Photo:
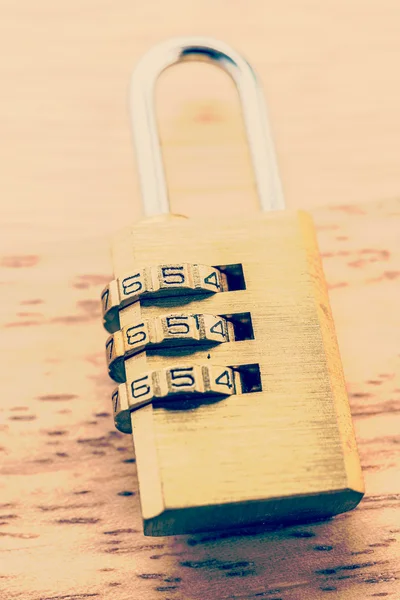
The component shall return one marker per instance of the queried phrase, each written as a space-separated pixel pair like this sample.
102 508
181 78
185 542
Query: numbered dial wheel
168 331
198 382
163 280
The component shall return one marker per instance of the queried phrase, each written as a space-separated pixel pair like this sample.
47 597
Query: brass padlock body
284 453
270 437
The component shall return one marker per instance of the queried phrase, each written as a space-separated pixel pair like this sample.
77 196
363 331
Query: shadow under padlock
229 370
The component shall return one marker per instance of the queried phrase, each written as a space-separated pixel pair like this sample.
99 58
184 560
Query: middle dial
169 330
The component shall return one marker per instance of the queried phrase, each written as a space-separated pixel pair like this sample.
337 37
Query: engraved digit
182 375
177 325
114 399
109 347
172 275
139 335
218 328
130 286
224 379
136 393
212 279
104 298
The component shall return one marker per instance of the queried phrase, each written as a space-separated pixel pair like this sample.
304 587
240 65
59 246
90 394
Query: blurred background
70 520
330 72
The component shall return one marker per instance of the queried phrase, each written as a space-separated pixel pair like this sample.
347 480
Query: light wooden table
69 516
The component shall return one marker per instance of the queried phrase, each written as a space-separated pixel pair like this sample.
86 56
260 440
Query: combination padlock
223 345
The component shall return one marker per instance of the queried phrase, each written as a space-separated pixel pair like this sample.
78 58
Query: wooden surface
70 526
70 511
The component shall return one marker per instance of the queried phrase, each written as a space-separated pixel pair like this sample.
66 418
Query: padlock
223 344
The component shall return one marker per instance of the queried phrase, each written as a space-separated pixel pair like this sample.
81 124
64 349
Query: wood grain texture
70 512
70 526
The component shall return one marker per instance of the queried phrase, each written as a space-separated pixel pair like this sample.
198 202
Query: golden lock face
230 380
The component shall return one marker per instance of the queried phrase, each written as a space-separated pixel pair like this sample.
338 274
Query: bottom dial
165 385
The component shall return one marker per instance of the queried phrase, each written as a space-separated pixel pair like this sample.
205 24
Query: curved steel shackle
148 153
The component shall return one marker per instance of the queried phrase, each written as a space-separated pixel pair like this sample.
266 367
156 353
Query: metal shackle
145 134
